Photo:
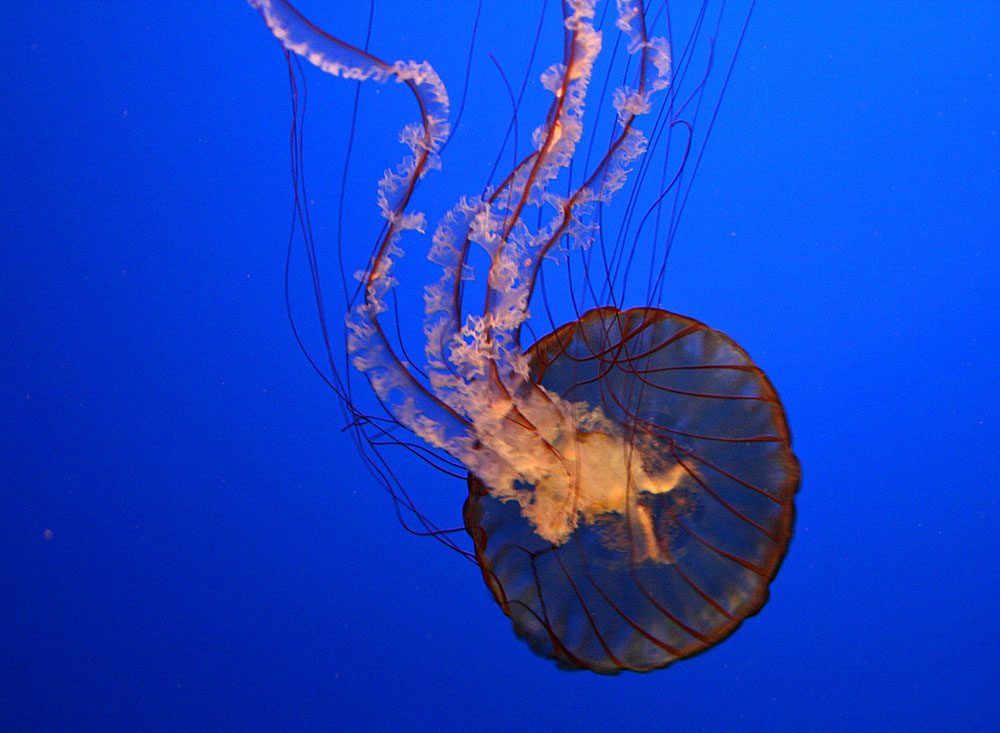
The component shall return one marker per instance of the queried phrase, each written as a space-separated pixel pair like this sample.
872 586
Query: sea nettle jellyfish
630 475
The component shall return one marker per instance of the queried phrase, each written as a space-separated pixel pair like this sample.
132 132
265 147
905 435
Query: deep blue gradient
219 558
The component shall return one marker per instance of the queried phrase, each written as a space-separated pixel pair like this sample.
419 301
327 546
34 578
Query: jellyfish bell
675 541
630 475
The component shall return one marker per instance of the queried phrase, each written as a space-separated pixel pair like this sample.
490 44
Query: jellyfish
629 472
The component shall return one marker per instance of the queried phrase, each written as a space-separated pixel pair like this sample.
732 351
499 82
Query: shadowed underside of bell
675 566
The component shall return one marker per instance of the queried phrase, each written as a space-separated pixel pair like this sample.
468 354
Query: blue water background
187 538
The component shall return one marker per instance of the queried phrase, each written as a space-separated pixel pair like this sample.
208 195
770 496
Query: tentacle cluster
480 404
